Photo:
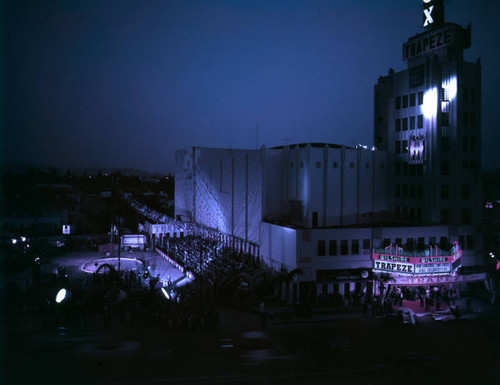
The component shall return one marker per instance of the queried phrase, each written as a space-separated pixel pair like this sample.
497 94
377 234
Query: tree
383 279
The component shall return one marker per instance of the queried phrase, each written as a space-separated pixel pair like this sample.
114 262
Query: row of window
415 214
341 247
465 242
412 122
464 191
409 191
406 169
411 100
469 93
469 119
335 165
409 213
333 247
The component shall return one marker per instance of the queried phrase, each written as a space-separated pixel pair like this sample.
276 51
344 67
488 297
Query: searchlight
165 293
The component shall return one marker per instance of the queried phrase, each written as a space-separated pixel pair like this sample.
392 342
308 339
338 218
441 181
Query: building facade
409 208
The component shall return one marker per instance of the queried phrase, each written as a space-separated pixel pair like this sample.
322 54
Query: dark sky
126 83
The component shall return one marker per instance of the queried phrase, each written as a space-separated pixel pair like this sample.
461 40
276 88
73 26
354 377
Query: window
405 101
355 246
405 213
419 213
398 147
405 146
344 247
465 143
420 191
412 191
445 167
398 191
472 119
398 103
445 216
420 98
321 248
335 164
318 164
420 169
461 241
472 143
444 192
470 242
445 119
386 242
432 241
466 94
398 212
405 124
466 118
412 213
412 122
412 99
405 191
473 95
405 169
420 121
398 125
398 168
399 241
411 169
366 244
315 219
421 243
443 243
332 249
409 243
466 216
445 94
445 143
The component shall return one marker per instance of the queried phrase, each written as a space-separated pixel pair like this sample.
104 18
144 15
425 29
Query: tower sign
433 13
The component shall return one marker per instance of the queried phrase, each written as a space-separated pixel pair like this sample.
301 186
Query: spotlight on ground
62 295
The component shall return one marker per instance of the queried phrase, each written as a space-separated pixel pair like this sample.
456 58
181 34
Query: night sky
126 83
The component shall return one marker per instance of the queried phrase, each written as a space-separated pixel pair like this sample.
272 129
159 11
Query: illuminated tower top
439 38
433 14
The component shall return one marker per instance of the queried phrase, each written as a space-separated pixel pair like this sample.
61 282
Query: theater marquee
433 261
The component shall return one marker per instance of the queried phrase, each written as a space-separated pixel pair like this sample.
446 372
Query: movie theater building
342 215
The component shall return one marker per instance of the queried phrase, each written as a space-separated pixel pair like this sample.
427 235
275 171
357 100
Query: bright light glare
23 239
429 108
165 293
61 295
451 87
14 241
